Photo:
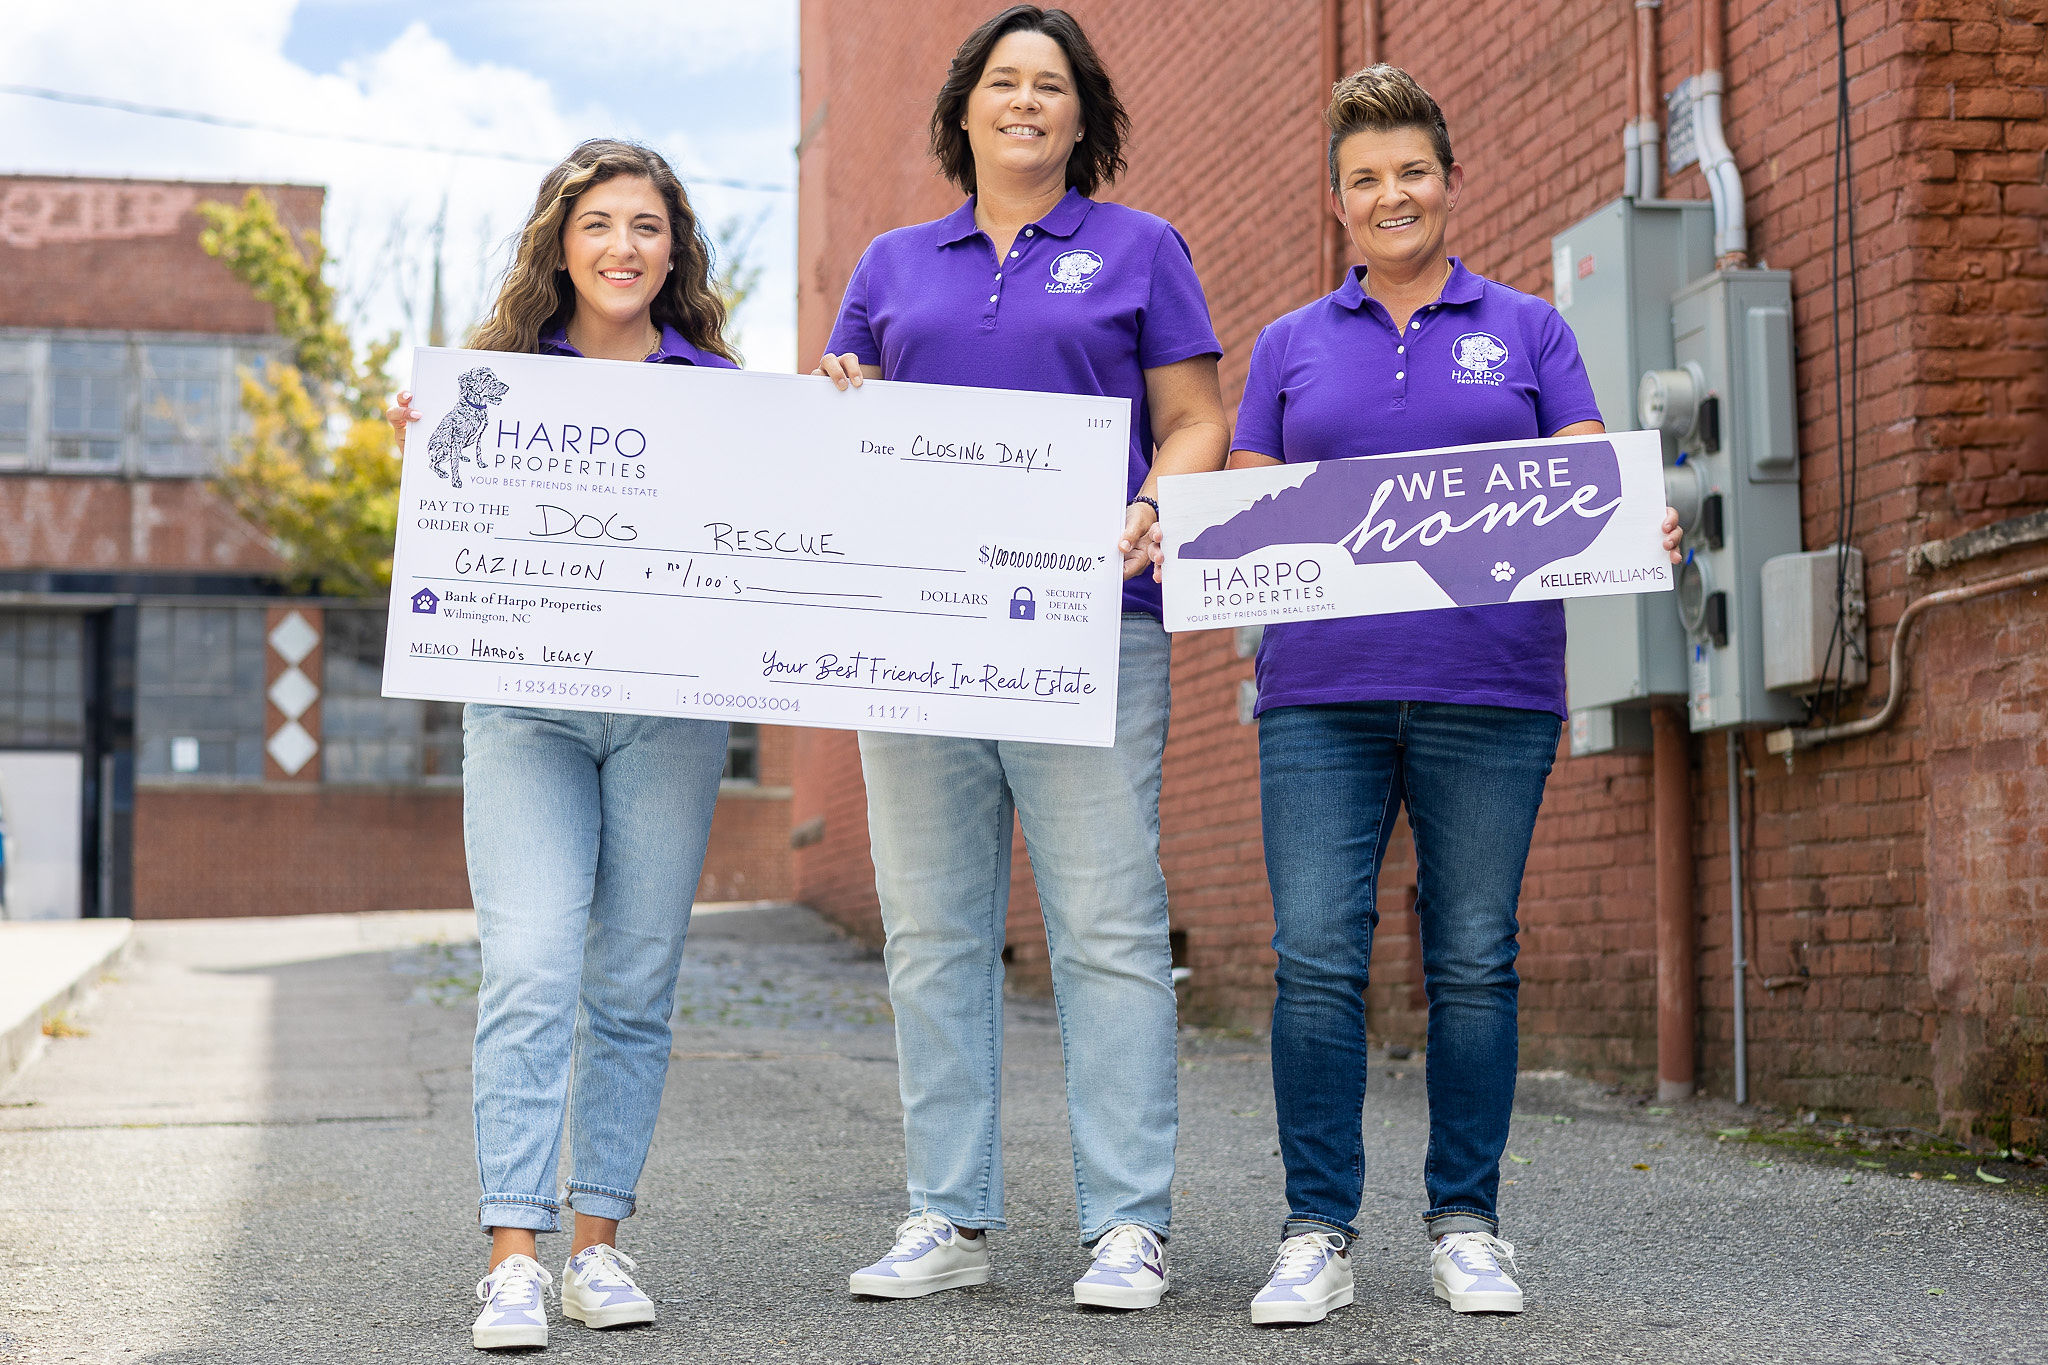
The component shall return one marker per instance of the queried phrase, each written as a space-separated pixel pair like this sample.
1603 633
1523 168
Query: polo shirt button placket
988 317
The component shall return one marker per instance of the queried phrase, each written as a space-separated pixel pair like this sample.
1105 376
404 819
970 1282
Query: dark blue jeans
1331 780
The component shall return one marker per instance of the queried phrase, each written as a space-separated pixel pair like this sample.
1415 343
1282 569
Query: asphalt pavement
260 1150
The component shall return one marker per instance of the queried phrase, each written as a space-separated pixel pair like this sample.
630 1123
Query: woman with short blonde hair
1452 714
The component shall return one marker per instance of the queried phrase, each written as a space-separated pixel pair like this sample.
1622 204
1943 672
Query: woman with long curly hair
585 830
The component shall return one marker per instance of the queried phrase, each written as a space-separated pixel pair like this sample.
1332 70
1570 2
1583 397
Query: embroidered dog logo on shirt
1073 272
1480 356
461 433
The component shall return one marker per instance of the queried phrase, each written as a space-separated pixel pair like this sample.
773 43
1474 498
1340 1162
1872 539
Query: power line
222 121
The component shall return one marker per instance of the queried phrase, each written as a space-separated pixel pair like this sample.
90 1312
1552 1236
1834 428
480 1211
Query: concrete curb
45 969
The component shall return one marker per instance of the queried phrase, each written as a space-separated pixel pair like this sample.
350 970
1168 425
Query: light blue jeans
939 813
585 833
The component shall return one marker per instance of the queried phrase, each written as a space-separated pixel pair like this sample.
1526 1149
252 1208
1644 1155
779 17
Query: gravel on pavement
260 1150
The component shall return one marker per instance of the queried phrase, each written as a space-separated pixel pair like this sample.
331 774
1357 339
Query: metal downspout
1329 57
1677 936
1735 912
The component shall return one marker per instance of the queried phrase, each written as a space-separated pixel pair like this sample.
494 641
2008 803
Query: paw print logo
1503 571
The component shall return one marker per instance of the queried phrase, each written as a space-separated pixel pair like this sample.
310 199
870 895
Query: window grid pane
200 681
370 738
17 393
182 427
42 681
743 753
88 401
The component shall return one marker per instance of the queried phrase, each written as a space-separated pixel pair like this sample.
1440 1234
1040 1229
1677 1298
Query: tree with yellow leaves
317 469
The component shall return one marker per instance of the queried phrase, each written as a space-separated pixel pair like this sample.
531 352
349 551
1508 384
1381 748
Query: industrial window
199 693
42 680
88 403
17 405
743 754
152 404
183 393
367 737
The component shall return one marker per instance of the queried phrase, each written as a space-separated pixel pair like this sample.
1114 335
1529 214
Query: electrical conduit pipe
1631 127
1785 741
1648 154
1717 163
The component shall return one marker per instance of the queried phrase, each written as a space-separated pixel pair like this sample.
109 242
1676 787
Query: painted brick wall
71 521
1890 955
124 254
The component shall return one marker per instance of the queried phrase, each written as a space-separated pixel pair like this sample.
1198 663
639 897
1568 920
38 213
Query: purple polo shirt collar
674 349
1462 287
1064 219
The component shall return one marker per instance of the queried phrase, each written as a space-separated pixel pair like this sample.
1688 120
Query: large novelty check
1465 526
670 540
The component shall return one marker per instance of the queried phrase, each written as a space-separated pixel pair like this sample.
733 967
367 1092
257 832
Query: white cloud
226 57
698 35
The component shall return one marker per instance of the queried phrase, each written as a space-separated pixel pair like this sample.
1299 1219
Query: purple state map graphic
1478 521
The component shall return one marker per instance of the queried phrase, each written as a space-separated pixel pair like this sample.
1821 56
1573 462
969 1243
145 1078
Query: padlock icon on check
1023 607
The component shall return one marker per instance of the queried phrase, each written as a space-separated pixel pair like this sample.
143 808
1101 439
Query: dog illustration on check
461 433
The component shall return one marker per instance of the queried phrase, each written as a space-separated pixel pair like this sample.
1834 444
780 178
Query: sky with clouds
711 84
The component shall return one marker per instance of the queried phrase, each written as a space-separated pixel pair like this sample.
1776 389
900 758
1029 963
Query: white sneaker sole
1479 1303
1110 1296
894 1287
1275 1314
502 1338
597 1319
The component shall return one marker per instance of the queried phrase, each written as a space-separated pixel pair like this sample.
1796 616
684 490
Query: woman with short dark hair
1454 713
1031 284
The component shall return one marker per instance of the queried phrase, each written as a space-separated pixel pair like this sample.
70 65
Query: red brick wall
293 848
124 254
1855 1001
1986 918
287 848
749 855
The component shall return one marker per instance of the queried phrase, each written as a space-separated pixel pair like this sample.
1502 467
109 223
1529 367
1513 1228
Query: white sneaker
1129 1270
515 1305
929 1255
598 1290
1311 1277
1466 1269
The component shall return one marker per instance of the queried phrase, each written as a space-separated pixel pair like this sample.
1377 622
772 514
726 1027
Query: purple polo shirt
674 349
1088 298
1336 379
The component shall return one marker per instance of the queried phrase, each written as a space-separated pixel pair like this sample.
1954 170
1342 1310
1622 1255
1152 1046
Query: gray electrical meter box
1615 273
1729 403
1814 620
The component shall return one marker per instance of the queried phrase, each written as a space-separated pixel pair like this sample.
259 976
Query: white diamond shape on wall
293 692
291 746
293 638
